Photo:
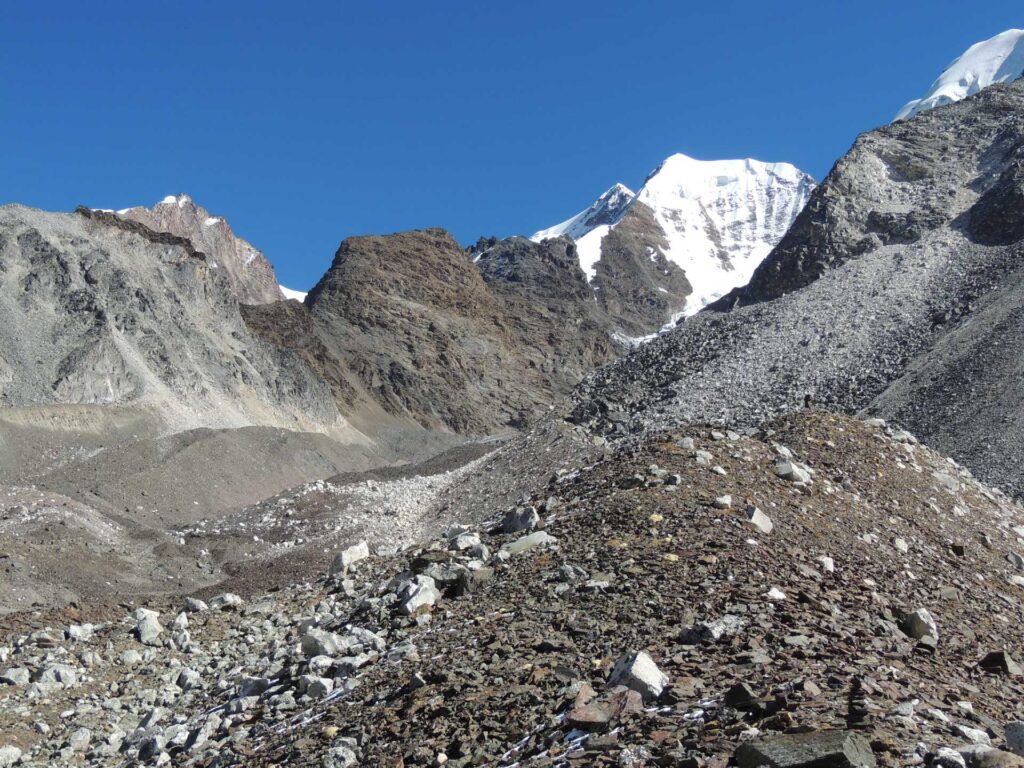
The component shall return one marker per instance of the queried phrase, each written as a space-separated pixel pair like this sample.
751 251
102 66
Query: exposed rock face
288 324
562 333
246 269
100 310
633 281
467 347
897 290
695 230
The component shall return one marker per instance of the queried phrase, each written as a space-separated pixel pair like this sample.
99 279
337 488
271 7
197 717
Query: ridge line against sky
308 123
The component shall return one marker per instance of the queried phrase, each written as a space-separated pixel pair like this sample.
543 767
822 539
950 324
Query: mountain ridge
705 225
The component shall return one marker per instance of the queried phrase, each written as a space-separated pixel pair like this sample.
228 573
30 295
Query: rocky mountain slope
471 347
98 310
825 592
891 293
999 59
695 230
247 271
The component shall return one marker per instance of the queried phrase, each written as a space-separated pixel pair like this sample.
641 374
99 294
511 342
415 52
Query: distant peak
178 200
607 209
617 190
999 59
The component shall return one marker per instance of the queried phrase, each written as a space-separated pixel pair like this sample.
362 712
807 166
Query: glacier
720 218
999 59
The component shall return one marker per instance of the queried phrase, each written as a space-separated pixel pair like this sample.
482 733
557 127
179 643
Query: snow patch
999 59
211 220
179 200
292 294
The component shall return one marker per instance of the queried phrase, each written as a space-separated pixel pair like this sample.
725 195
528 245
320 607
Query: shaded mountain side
897 291
431 336
288 324
563 333
634 282
248 272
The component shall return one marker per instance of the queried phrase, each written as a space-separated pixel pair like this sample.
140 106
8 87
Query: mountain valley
723 472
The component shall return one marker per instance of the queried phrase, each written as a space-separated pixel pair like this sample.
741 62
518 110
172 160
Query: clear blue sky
306 122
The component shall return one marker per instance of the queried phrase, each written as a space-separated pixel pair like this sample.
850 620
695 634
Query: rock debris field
823 592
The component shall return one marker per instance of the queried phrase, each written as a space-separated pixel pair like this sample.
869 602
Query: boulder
759 519
9 755
919 624
520 519
225 601
1001 661
16 676
418 595
194 605
721 628
320 642
1014 733
348 557
531 541
791 471
835 749
148 629
638 672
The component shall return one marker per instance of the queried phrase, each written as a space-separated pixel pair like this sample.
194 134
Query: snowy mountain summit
605 211
999 59
703 226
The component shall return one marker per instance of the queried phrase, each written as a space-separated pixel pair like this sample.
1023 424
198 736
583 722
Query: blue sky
306 122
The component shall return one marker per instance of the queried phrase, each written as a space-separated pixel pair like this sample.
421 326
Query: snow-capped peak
720 218
999 59
607 209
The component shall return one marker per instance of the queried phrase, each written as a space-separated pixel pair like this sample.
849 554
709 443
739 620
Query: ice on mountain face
588 248
606 210
997 60
720 219
291 294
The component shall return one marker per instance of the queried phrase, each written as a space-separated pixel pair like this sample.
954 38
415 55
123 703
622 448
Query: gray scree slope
897 291
96 310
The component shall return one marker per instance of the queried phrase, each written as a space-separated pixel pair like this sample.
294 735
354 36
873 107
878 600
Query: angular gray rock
9 755
348 557
528 542
759 519
225 601
148 629
919 623
419 594
1013 731
820 749
524 518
